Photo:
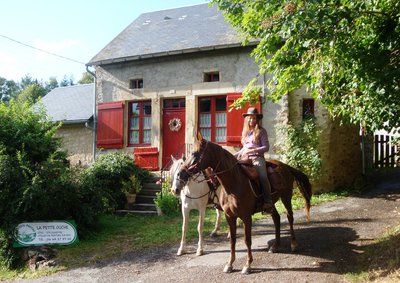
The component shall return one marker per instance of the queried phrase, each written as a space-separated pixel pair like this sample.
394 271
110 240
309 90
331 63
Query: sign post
46 233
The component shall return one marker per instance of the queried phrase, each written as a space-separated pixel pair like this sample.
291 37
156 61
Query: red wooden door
173 130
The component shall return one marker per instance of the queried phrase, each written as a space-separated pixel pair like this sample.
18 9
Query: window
212 118
308 108
219 125
174 103
211 77
139 118
136 83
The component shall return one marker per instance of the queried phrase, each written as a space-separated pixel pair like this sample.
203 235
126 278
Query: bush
301 147
166 201
37 183
112 176
35 179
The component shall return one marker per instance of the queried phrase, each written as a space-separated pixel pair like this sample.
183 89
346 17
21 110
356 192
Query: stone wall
339 145
78 141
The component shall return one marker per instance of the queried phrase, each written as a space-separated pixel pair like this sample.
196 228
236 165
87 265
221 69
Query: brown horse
240 198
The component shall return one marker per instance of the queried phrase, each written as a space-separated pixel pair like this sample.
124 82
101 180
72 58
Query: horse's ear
173 159
199 136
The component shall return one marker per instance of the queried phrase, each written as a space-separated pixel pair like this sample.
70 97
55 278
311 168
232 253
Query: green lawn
119 234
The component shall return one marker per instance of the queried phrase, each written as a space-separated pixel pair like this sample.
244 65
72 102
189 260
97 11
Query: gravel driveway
338 232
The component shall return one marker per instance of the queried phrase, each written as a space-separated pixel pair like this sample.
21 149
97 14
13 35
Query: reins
216 173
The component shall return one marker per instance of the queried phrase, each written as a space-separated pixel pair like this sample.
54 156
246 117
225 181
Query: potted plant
166 203
132 187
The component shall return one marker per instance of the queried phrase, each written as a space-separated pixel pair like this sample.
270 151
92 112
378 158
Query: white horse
194 195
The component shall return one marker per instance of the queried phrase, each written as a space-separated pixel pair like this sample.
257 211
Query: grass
117 235
380 260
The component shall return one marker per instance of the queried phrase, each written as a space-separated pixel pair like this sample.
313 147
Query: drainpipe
94 114
362 131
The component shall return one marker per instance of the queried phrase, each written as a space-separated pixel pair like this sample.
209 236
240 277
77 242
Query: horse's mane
224 157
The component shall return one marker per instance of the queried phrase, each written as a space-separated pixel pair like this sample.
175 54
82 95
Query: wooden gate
386 151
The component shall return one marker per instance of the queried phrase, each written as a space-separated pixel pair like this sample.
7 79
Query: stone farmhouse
73 107
176 71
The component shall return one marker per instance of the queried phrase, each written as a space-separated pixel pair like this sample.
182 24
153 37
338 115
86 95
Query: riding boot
268 205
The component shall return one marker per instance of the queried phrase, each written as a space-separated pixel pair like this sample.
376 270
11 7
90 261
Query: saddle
273 170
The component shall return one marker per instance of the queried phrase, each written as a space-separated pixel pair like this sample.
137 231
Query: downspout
362 131
94 114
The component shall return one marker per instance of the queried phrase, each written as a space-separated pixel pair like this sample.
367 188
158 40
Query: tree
9 88
32 93
51 84
347 53
26 81
86 78
67 81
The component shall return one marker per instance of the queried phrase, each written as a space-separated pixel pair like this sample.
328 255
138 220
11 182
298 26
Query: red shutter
110 125
235 120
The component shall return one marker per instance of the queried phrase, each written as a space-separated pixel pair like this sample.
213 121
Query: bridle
195 166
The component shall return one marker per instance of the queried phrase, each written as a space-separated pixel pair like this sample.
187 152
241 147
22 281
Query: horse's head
198 160
177 182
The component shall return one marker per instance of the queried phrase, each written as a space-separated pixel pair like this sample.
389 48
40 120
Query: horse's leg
293 241
232 231
217 223
202 213
185 222
277 223
247 240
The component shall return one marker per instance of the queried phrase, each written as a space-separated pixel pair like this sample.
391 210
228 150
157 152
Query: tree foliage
86 78
347 53
300 148
32 93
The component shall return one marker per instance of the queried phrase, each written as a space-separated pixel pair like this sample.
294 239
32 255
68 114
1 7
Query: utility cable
41 50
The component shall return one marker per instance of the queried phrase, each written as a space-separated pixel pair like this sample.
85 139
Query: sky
70 32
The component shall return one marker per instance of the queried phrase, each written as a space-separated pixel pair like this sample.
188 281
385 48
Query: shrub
300 149
166 201
35 182
112 176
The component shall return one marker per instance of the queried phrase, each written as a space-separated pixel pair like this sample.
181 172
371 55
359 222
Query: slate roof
71 104
167 32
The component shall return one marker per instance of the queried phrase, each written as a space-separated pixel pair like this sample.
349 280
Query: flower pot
159 211
130 200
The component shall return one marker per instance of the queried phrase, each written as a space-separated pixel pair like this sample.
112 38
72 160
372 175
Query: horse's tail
304 186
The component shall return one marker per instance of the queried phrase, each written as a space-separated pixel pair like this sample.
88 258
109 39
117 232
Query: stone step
151 186
139 212
144 204
148 192
145 199
144 207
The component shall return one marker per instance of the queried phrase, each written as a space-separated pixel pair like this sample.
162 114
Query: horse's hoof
199 252
213 234
180 252
246 270
228 268
272 249
294 246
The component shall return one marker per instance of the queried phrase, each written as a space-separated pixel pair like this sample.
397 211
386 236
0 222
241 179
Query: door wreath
175 124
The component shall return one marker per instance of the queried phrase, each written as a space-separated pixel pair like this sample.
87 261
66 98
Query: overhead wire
41 50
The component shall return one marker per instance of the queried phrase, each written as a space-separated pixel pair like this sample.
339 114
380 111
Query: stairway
144 204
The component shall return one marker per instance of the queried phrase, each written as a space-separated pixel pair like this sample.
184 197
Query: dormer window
211 77
136 83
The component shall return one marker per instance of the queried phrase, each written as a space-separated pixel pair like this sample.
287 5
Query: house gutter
94 115
168 53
